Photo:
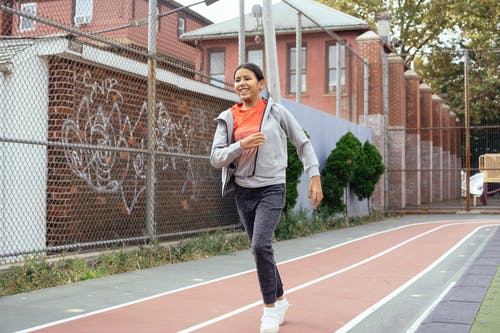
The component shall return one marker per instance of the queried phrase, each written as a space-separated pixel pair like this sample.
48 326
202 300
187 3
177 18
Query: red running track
328 290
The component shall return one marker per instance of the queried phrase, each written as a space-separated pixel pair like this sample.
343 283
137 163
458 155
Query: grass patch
37 272
488 319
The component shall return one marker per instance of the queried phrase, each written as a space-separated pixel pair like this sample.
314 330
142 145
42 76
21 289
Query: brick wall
437 149
426 143
396 133
91 105
370 46
454 151
445 114
412 138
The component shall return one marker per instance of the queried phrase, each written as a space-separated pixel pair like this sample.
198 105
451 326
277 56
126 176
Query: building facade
217 47
122 21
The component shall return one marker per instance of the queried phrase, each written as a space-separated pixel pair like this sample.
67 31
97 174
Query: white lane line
57 322
429 309
349 325
330 275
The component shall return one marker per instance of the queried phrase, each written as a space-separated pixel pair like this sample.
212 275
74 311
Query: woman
250 145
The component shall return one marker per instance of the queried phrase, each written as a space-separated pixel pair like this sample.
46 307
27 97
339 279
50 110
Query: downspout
365 93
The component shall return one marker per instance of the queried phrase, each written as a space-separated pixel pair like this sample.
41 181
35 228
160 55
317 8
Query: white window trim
218 76
259 63
181 25
292 72
343 73
83 14
26 24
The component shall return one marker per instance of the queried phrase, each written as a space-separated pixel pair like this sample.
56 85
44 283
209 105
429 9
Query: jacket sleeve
299 139
223 153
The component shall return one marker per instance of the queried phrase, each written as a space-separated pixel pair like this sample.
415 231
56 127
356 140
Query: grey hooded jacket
267 164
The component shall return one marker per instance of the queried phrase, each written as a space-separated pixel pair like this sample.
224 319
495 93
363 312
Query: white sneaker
282 307
270 322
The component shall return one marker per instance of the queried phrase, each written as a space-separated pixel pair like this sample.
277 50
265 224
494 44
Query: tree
416 23
367 172
435 34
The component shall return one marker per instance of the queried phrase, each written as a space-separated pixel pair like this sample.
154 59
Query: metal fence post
467 130
151 173
241 34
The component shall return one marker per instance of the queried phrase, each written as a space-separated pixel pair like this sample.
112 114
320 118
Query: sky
222 10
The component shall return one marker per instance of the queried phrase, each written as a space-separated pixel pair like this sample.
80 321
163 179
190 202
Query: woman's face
247 86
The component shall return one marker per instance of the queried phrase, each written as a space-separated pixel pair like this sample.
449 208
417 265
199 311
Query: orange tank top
248 121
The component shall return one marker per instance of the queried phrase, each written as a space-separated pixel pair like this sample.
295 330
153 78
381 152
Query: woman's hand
315 191
253 141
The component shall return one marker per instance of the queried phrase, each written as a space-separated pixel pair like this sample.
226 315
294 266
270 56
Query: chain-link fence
456 163
84 162
106 123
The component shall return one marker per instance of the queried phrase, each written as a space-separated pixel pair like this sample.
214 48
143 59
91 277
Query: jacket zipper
260 128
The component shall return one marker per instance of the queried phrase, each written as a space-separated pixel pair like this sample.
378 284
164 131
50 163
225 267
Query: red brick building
217 47
122 21
394 103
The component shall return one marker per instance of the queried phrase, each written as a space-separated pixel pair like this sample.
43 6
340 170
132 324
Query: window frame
78 12
343 69
181 18
291 71
210 52
256 48
26 24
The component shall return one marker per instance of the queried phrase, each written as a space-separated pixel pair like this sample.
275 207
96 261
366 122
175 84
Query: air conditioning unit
82 20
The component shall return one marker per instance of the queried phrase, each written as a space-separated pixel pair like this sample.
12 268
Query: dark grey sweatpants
259 210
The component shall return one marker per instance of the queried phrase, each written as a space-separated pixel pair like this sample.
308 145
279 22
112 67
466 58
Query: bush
338 172
299 223
369 168
352 164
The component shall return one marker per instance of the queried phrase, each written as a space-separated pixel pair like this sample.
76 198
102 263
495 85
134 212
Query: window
292 74
26 24
83 12
332 67
181 25
216 67
256 56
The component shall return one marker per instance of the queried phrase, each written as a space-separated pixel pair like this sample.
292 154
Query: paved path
456 311
380 277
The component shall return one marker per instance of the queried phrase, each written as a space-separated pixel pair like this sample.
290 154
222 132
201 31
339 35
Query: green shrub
290 225
352 164
300 223
338 173
37 272
369 168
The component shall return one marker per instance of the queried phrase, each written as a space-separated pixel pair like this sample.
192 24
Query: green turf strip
488 318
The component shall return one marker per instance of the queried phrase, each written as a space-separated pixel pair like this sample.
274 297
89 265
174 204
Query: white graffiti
99 121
